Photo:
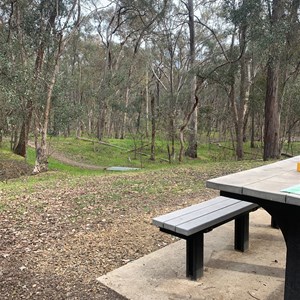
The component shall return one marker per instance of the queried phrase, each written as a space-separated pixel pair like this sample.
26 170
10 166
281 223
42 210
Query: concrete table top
264 182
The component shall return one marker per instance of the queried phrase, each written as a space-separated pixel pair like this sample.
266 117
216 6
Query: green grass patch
130 153
93 153
3 207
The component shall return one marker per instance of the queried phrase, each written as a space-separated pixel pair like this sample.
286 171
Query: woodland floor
57 238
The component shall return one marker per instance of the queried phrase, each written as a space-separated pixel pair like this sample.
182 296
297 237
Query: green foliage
103 77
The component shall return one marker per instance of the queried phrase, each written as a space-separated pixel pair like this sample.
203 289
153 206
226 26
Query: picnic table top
265 182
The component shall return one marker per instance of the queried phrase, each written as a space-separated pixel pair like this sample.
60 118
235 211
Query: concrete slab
255 274
122 169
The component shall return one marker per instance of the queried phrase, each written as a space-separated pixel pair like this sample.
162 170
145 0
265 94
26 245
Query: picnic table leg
194 256
241 233
292 280
288 219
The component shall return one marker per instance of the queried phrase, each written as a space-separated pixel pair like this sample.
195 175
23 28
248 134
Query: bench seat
192 222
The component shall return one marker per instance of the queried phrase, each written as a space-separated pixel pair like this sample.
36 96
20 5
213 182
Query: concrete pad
255 274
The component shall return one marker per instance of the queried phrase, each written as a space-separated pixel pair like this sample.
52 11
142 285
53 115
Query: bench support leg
241 233
274 223
194 256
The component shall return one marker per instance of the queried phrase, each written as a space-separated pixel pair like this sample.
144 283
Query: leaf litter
56 240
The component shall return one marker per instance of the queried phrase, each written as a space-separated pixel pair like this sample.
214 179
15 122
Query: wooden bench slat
199 214
160 220
217 217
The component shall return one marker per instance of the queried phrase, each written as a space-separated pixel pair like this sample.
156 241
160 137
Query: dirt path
60 157
66 160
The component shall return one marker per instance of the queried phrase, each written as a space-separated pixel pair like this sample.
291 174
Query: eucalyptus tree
262 35
108 21
16 68
122 27
283 34
244 18
36 34
7 95
291 114
191 151
59 20
169 66
75 96
272 109
92 64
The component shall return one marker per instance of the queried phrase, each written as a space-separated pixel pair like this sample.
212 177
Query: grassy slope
211 158
103 155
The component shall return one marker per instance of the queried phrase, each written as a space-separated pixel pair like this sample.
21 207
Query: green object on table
295 189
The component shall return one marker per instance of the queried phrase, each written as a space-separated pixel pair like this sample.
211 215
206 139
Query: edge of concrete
255 274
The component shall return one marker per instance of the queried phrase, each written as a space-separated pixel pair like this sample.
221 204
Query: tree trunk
252 139
272 113
245 84
147 104
272 118
41 162
90 118
187 120
124 121
102 120
20 148
193 125
153 127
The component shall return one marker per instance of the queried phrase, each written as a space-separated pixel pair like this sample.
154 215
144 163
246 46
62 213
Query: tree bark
272 113
187 120
193 125
20 148
245 84
272 118
153 127
41 162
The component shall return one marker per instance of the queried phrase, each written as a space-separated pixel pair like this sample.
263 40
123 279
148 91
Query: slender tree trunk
90 117
193 125
102 120
124 122
147 104
172 108
252 139
272 118
187 120
20 148
240 103
153 127
41 162
245 84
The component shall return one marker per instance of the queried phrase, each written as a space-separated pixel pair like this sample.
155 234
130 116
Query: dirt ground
56 239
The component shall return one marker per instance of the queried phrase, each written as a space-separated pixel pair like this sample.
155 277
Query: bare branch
215 36
158 79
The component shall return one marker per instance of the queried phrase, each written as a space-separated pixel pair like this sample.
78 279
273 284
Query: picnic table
275 188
